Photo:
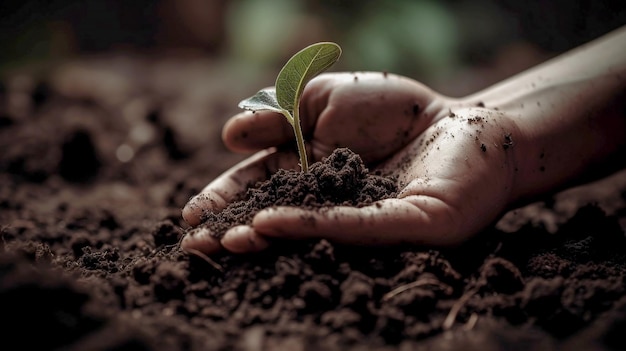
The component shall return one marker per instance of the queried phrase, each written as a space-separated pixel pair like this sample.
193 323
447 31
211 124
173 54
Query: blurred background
456 46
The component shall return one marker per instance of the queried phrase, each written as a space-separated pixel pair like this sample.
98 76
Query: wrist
570 113
567 144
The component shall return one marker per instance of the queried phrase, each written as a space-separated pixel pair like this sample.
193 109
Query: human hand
452 159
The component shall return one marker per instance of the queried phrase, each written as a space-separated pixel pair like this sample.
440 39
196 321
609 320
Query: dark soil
98 157
339 179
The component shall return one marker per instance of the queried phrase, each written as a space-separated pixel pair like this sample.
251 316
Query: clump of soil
339 179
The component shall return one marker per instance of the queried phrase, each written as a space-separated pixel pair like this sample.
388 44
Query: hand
453 160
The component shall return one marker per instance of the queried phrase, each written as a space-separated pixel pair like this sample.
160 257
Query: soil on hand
339 179
92 181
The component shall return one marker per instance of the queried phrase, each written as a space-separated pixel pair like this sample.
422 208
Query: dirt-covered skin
90 256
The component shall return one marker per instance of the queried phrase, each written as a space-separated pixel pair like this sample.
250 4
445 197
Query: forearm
571 116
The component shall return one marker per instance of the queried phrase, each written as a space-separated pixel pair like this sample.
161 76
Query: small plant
292 78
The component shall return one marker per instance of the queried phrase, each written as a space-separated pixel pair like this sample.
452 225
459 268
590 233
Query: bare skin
462 162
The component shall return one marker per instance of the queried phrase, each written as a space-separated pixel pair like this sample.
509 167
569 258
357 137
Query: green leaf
265 99
293 77
300 69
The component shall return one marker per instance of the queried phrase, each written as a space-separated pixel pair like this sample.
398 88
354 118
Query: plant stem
304 164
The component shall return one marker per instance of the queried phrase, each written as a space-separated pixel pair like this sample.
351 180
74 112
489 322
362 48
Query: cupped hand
453 159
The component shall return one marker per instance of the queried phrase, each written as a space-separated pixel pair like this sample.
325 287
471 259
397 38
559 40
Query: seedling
292 78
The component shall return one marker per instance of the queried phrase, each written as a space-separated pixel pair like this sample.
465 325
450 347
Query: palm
458 173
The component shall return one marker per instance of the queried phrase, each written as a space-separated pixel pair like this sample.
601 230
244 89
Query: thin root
471 323
419 282
206 258
454 311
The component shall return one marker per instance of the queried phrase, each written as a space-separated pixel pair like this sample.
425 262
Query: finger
244 239
200 240
253 131
225 188
415 219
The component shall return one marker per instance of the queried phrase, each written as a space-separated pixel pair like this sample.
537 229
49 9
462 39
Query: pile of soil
98 157
339 179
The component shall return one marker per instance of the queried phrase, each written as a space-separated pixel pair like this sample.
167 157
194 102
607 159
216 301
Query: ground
99 155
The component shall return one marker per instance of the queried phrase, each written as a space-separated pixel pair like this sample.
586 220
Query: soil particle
357 291
166 233
80 161
472 120
508 141
500 275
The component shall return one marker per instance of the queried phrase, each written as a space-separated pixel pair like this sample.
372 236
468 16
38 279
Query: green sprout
292 78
